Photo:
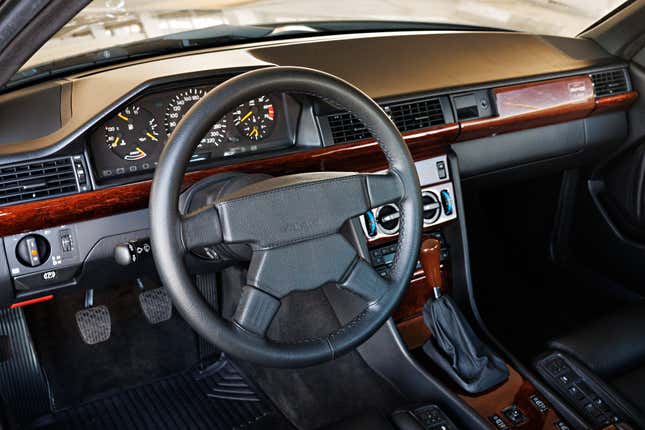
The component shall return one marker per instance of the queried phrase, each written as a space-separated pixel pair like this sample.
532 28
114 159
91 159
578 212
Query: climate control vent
345 127
609 82
407 116
36 180
416 115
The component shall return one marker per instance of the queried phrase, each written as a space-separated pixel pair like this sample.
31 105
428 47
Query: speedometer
177 108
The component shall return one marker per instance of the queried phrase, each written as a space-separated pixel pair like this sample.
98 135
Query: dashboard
78 153
129 142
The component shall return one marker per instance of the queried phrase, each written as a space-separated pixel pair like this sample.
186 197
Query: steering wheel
291 223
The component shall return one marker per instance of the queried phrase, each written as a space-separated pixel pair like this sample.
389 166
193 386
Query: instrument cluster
130 141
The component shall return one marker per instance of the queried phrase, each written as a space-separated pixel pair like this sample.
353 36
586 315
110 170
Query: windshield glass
109 23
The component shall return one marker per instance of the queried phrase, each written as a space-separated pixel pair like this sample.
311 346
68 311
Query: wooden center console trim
515 391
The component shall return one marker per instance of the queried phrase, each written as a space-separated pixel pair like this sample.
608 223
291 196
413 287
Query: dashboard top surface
398 64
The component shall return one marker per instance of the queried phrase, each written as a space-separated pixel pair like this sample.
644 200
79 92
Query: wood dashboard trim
359 156
615 102
533 105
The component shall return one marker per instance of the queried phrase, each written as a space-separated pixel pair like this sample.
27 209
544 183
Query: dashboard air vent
407 116
36 180
609 82
345 127
416 115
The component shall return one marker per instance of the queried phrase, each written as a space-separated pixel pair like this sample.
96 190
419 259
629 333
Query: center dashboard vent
36 180
407 116
609 82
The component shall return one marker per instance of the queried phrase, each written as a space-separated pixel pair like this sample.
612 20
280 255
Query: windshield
108 23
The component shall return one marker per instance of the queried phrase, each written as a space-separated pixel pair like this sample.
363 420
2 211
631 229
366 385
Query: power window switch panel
514 415
498 422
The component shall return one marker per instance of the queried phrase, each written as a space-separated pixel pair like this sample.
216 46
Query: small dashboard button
35 281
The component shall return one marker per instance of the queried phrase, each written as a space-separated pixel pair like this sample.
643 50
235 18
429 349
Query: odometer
177 108
133 134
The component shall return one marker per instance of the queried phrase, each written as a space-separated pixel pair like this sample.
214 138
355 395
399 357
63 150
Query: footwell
217 397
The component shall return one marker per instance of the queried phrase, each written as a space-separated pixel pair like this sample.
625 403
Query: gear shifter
430 258
454 346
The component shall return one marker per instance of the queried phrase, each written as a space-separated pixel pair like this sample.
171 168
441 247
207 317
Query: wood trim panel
414 332
533 105
515 391
615 103
359 156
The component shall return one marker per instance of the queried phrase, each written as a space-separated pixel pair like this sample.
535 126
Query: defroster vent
407 116
609 82
36 180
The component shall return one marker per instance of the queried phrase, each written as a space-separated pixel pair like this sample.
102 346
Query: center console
515 403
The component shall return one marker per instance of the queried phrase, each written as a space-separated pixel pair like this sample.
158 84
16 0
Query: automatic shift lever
454 345
430 257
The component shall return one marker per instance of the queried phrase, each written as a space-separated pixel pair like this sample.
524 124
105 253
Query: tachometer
177 108
133 134
255 119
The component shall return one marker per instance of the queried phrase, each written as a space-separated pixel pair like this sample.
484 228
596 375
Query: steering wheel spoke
365 282
256 310
381 189
200 228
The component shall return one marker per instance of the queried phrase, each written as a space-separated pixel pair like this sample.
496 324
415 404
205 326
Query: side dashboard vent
407 116
36 180
610 82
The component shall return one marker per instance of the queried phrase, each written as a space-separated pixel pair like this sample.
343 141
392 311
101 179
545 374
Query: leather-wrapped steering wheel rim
172 234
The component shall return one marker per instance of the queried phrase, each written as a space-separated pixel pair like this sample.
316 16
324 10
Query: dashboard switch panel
42 251
437 194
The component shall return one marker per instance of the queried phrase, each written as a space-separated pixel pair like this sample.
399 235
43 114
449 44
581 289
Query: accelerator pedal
94 324
156 305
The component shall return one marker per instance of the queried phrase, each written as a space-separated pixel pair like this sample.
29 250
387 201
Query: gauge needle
116 142
123 117
245 117
140 150
254 132
151 136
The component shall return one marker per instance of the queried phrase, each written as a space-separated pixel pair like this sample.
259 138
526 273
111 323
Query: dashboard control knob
446 202
388 219
32 250
431 207
132 251
370 223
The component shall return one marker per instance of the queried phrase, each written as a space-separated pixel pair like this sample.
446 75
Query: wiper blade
193 39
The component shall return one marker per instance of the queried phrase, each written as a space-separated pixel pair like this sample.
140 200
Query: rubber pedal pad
94 324
156 305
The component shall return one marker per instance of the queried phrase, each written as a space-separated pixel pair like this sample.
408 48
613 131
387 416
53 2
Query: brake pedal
156 305
94 324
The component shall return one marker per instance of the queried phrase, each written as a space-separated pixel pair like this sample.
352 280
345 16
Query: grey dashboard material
407 63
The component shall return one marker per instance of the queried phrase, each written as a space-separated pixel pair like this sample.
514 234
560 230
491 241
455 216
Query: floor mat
137 352
217 398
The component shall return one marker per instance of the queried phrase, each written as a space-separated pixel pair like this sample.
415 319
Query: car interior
309 223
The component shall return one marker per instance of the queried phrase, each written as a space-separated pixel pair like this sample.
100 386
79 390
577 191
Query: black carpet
137 352
218 398
317 396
